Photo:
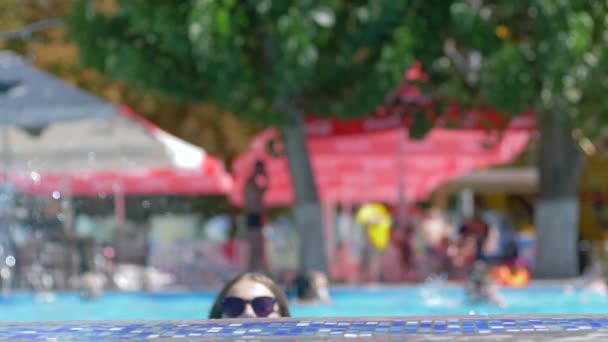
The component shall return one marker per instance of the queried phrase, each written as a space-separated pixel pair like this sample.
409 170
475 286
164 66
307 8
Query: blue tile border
305 328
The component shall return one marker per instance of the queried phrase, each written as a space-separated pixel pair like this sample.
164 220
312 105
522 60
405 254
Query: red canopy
477 120
358 160
357 168
211 179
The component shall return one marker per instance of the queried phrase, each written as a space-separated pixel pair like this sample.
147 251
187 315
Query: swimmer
594 282
596 286
250 295
91 285
312 287
480 287
320 284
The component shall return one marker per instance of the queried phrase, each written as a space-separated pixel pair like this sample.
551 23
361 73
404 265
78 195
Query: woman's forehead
249 289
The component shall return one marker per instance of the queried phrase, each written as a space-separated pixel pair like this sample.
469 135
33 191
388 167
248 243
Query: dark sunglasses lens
263 306
233 306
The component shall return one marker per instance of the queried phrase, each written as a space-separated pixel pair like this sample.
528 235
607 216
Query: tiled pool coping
494 328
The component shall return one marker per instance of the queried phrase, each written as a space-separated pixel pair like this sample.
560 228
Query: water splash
430 290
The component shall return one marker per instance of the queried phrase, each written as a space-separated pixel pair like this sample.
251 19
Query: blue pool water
347 302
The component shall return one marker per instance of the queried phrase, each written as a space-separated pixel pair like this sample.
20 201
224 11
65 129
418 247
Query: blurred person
48 221
312 287
250 295
594 282
511 256
477 230
442 256
434 227
462 256
254 190
370 267
435 232
402 239
480 286
343 267
594 285
470 245
91 285
41 281
597 286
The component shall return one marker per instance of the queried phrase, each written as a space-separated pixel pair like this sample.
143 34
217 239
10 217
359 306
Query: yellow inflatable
517 277
376 218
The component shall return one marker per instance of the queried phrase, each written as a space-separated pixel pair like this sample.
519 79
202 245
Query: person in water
312 287
250 295
594 282
91 285
480 286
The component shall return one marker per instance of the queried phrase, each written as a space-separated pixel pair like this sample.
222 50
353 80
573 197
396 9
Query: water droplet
56 195
10 261
35 177
146 204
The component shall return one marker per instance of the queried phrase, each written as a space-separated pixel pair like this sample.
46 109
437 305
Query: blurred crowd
433 242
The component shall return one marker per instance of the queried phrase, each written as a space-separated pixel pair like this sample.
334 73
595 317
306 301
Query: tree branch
26 31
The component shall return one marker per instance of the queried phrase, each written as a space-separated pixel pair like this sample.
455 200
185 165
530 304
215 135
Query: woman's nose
248 312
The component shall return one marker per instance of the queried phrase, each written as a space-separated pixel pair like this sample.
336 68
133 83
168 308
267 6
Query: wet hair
279 295
303 287
306 287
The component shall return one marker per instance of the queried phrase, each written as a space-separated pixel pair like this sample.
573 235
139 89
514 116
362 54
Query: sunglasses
234 306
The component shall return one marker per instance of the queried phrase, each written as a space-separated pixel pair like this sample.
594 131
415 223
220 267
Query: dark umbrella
47 126
32 99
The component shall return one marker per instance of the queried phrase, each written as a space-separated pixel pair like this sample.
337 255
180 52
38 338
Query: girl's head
312 286
250 295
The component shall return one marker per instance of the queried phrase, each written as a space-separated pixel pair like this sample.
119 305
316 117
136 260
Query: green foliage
506 80
546 55
330 57
340 58
146 45
421 125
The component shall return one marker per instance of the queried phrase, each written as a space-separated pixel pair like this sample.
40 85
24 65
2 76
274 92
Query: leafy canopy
547 55
329 57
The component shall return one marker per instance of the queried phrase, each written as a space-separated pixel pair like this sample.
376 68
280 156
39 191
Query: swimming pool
347 302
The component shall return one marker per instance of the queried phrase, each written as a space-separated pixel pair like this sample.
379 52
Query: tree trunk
306 206
556 219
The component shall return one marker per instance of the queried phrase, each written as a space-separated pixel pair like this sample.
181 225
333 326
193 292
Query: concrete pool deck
435 328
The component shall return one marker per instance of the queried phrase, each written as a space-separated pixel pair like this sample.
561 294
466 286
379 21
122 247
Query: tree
542 55
219 132
267 61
